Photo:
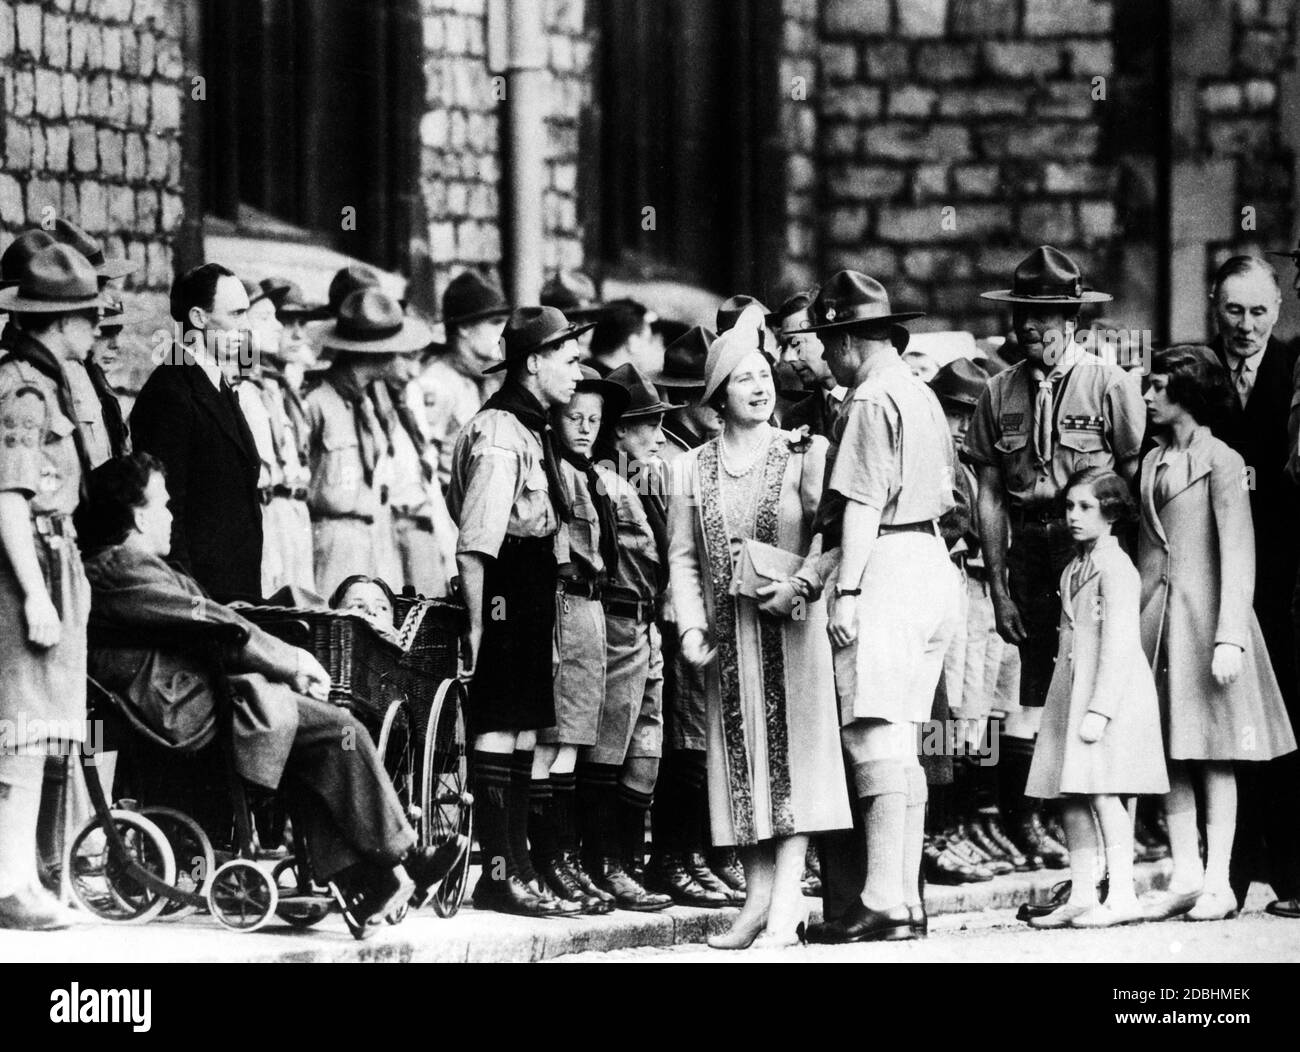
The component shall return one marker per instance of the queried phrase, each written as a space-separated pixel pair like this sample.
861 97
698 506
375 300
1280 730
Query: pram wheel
299 906
398 746
195 859
113 882
242 896
447 807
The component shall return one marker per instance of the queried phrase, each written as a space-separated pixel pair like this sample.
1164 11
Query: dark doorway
312 108
685 119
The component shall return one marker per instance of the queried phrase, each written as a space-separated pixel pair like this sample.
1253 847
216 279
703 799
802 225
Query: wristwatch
840 592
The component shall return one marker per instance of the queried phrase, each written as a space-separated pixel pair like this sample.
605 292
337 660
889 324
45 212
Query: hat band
801 318
866 312
1043 291
60 295
369 334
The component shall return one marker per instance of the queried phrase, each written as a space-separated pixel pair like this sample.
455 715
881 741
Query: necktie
1242 381
1043 417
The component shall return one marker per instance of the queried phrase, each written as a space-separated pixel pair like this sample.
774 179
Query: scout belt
292 492
641 611
318 516
1036 515
926 526
59 537
420 522
579 588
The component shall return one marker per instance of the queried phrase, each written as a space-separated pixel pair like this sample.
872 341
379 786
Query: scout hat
732 347
614 395
1047 276
114 314
59 280
851 299
960 383
470 297
293 306
617 321
533 329
66 233
684 359
731 309
795 314
14 262
273 289
371 322
643 398
572 292
347 281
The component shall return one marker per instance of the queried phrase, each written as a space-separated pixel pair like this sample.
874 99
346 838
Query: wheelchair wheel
242 896
398 746
195 859
447 807
299 906
108 883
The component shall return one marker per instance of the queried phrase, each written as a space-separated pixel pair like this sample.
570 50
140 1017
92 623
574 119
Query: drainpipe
517 49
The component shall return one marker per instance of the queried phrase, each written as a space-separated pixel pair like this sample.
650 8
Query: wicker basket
430 635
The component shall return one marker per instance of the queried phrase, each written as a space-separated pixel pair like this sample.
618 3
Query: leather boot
698 868
512 895
991 821
556 877
1054 854
726 865
667 874
944 867
575 868
611 877
980 857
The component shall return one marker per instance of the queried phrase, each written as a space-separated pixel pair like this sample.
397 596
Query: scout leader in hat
108 269
349 458
44 464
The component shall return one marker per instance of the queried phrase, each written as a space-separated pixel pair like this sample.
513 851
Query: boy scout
508 497
1037 423
349 454
44 596
622 766
896 594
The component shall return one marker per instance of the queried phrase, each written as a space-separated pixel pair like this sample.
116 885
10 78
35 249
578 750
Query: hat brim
478 315
303 311
863 323
124 320
414 336
658 409
1009 296
14 303
662 379
1294 254
116 268
614 396
566 334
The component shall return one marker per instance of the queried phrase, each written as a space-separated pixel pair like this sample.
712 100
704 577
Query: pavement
474 936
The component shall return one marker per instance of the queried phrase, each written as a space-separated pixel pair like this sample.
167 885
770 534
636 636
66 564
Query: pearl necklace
753 460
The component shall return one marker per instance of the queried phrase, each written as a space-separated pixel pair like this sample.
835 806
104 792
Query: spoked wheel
195 859
242 895
110 883
398 746
299 906
447 807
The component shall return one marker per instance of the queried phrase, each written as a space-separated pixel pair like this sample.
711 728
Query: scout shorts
631 718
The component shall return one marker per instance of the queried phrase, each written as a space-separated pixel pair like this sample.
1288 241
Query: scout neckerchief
405 417
604 507
1048 382
514 399
23 348
363 416
119 438
287 413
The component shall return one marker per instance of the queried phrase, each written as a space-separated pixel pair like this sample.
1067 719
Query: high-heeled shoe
738 937
771 940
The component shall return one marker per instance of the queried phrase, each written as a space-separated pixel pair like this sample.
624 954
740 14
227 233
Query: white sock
1188 875
21 778
1119 861
1083 882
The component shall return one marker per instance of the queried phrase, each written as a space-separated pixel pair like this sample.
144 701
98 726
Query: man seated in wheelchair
286 734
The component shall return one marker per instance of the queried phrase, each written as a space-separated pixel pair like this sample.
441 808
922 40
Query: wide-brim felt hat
470 297
614 395
115 314
684 359
532 329
795 314
59 280
294 305
574 293
960 382
1047 277
730 310
19 253
66 233
851 299
643 396
371 322
732 347
347 280
273 289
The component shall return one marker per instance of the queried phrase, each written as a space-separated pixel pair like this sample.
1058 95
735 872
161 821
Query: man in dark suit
188 417
1246 300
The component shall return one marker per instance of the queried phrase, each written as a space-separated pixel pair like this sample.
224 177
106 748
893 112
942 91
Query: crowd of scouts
721 585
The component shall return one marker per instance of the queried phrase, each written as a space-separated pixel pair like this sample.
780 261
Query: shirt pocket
1017 460
1085 449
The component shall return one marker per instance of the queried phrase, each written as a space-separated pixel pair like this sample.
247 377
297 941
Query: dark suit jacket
212 467
171 693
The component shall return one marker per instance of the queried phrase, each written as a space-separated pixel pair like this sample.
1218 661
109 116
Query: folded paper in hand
762 564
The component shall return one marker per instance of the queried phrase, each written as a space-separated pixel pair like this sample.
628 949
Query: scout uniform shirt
1098 421
895 453
341 446
577 542
640 573
90 414
451 399
497 484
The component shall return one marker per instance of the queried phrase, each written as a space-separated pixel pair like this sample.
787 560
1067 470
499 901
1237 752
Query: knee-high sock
675 814
598 811
521 778
632 808
490 773
914 834
1013 773
882 795
21 778
562 803
692 773
543 838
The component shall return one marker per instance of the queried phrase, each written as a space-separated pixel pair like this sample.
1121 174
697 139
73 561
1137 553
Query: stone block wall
90 129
